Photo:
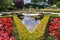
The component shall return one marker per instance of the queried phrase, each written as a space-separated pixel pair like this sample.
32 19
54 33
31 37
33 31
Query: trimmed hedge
38 34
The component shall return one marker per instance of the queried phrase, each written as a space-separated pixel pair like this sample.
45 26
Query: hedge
37 34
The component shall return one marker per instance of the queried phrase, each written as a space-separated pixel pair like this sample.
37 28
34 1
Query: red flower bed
54 28
6 29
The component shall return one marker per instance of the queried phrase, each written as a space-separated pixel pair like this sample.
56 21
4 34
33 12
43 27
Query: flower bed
7 29
37 34
53 29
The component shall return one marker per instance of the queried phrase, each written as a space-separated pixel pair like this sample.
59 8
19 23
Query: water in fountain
30 23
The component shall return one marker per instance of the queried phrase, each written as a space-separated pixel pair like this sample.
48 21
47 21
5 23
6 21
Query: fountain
30 22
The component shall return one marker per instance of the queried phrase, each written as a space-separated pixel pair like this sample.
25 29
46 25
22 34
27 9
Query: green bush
6 3
58 4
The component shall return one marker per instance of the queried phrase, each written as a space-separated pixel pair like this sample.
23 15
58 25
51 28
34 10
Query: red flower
6 28
57 38
56 33
54 26
51 29
55 19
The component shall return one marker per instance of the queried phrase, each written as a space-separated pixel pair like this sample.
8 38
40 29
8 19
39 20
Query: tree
6 3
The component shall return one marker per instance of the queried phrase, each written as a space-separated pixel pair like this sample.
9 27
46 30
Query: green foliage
6 3
51 38
16 34
55 1
58 4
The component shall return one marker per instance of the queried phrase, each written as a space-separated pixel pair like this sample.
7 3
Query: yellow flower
25 34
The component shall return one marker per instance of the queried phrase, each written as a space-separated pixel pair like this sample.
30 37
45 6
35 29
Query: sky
27 1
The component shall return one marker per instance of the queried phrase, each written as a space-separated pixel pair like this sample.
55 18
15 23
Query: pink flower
56 19
1 25
6 34
1 22
6 27
1 32
51 34
12 38
56 33
6 38
0 38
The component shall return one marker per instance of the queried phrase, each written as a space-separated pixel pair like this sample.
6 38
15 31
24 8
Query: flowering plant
37 34
6 28
54 28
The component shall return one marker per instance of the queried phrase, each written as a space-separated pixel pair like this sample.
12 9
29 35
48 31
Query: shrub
58 4
6 3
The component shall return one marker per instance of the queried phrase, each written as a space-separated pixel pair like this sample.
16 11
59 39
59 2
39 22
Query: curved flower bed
6 28
24 34
54 28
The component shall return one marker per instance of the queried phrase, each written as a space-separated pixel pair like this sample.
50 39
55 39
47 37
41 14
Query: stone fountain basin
30 22
30 14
